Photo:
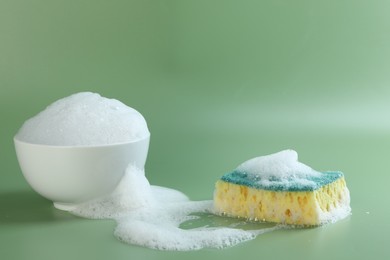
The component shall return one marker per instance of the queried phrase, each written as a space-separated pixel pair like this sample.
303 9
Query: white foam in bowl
84 119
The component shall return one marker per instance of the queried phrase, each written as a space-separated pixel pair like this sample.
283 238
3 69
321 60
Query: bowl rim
17 140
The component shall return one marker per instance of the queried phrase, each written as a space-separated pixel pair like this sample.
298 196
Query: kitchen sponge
277 188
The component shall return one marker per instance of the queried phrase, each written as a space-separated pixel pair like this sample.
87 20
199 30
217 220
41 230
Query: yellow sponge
310 199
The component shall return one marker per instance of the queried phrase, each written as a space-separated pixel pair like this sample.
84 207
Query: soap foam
84 119
150 216
279 169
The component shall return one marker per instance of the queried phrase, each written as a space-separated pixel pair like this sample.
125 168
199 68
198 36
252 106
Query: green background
219 82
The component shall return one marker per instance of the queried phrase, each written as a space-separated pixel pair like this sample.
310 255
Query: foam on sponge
278 188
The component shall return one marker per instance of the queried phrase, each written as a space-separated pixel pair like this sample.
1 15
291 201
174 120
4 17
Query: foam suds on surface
84 119
150 216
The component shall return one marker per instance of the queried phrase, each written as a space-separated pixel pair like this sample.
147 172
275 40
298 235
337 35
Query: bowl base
64 206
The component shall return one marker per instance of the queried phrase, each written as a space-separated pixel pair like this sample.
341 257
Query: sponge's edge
328 203
295 183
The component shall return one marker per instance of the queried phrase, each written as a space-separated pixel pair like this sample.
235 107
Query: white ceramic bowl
70 175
